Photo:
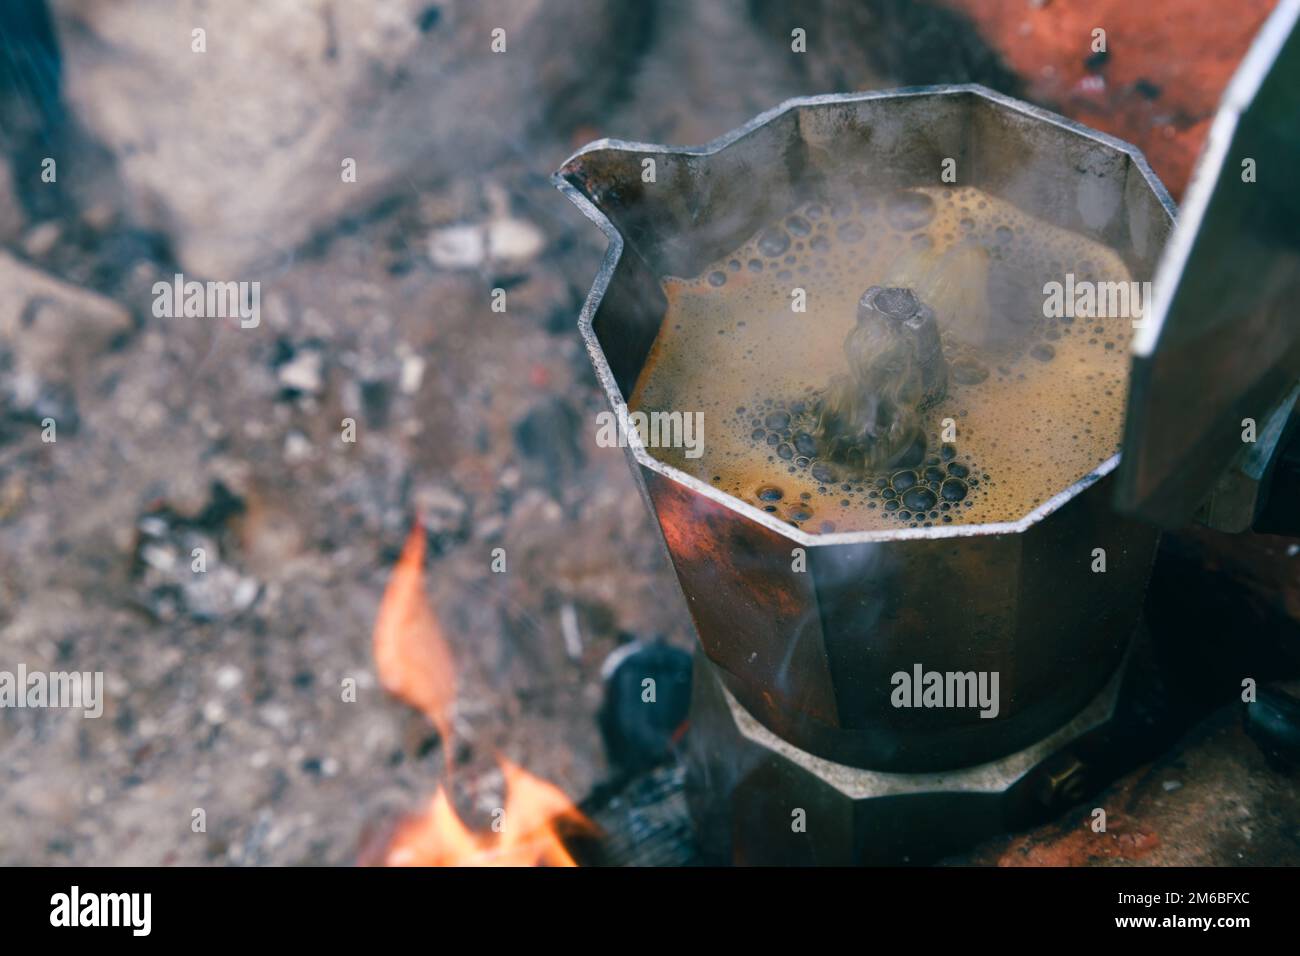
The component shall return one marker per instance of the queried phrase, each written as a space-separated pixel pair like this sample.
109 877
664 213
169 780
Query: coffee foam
1038 403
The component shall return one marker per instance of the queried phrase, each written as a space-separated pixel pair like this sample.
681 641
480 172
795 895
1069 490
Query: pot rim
614 252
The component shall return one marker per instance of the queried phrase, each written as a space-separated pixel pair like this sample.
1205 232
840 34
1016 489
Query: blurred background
214 139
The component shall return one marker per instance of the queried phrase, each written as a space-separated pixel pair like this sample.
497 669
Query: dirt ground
224 689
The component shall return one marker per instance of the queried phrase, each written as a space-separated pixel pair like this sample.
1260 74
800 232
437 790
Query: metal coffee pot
801 633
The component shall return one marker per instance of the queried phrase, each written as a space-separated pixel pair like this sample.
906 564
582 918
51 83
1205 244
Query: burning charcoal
642 821
870 417
1273 722
640 721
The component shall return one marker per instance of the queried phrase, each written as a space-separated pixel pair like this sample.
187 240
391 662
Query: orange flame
413 661
524 832
415 664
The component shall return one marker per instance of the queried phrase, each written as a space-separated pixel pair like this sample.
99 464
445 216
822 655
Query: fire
524 832
411 656
415 663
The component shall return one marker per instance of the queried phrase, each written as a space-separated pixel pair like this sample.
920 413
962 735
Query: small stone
458 247
514 240
302 373
297 447
411 375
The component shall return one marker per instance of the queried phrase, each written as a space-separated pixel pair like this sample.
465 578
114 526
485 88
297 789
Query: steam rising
871 415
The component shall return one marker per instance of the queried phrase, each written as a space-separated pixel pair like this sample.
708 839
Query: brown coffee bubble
953 489
717 278
778 421
919 499
967 371
823 473
770 493
1043 352
800 512
903 480
773 242
851 232
798 226
909 210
